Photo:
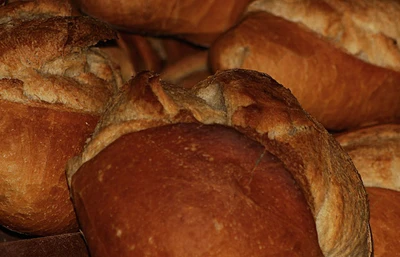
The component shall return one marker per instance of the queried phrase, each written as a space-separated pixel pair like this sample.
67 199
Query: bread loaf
367 30
53 87
375 152
339 89
198 22
181 200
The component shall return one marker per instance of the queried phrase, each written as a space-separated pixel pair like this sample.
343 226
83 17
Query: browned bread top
367 29
254 104
51 61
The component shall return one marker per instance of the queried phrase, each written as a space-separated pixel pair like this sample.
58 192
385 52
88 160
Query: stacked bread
205 154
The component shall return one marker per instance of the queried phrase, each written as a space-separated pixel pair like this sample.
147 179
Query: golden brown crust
375 152
53 87
200 23
34 148
53 60
190 194
254 104
366 29
338 89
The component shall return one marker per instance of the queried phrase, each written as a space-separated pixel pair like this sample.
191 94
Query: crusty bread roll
198 22
375 152
54 85
123 171
339 89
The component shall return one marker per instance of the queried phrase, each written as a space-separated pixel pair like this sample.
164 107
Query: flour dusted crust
366 29
50 61
254 104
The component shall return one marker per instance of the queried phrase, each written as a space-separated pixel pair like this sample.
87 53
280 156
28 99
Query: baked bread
198 22
53 87
151 125
365 29
375 152
338 89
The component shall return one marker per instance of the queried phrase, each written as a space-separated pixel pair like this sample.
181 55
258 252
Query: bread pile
248 128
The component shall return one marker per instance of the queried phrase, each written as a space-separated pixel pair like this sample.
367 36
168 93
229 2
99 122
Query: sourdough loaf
53 87
252 105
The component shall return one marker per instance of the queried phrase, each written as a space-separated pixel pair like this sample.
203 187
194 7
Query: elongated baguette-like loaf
198 22
339 89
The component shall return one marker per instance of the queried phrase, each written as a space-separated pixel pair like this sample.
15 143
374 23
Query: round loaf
185 190
254 105
53 87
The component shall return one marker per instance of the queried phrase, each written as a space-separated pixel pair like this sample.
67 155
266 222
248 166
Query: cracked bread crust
51 61
366 29
254 104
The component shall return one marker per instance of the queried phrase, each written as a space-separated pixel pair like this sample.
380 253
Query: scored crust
254 104
53 86
51 61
